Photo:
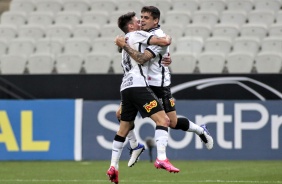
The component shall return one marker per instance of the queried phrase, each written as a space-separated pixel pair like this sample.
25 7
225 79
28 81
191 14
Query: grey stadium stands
76 36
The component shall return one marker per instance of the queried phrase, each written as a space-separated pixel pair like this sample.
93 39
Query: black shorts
140 99
164 95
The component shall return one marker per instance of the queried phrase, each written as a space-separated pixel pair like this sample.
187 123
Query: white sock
161 137
132 139
195 128
116 152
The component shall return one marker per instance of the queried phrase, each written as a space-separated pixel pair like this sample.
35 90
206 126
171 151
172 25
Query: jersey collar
155 28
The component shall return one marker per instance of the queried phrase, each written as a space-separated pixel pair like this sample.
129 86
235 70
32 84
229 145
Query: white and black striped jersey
158 75
135 74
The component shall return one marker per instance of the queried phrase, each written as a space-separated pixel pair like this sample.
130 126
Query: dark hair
124 20
155 12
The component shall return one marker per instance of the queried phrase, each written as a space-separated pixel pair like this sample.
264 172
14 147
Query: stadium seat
41 18
16 18
173 17
31 31
210 62
255 30
110 31
185 5
69 63
8 32
221 45
104 45
129 5
226 30
193 45
209 18
78 46
62 31
113 16
198 30
21 46
279 17
40 64
51 46
68 18
245 44
97 63
76 5
235 17
103 5
272 44
239 62
275 30
116 63
13 64
24 5
89 31
175 31
3 46
164 6
53 6
182 63
265 17
217 5
242 5
268 62
271 5
98 18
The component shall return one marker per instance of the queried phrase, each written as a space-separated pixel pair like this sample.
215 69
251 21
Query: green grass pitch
86 172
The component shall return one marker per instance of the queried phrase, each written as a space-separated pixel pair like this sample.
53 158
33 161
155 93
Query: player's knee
172 123
166 121
118 114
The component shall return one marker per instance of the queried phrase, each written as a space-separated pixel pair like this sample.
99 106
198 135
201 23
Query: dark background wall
106 87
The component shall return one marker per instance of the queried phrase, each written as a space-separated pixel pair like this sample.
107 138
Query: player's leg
185 124
136 148
127 117
117 148
182 123
149 106
161 137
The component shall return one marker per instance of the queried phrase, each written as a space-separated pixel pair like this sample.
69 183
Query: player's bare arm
137 56
161 41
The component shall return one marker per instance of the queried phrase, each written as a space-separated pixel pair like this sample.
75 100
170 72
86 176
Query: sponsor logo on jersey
172 103
150 106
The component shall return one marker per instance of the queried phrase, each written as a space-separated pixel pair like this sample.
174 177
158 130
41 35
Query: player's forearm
161 41
137 56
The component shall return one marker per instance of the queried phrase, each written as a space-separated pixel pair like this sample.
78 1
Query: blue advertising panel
241 130
37 129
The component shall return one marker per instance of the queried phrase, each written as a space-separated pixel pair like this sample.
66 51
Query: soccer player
135 93
159 81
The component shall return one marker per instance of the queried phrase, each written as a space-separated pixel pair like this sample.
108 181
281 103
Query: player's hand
166 60
168 38
120 41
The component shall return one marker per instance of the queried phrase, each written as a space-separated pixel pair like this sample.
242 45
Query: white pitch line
140 181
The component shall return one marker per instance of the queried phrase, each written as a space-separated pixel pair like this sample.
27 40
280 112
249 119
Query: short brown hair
124 20
155 12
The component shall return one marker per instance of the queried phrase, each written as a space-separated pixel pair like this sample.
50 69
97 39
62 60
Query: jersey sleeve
142 37
154 49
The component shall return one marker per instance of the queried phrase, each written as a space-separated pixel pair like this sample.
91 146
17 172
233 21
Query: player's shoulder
142 33
159 32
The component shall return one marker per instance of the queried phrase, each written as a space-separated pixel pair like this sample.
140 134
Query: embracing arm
161 41
137 56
